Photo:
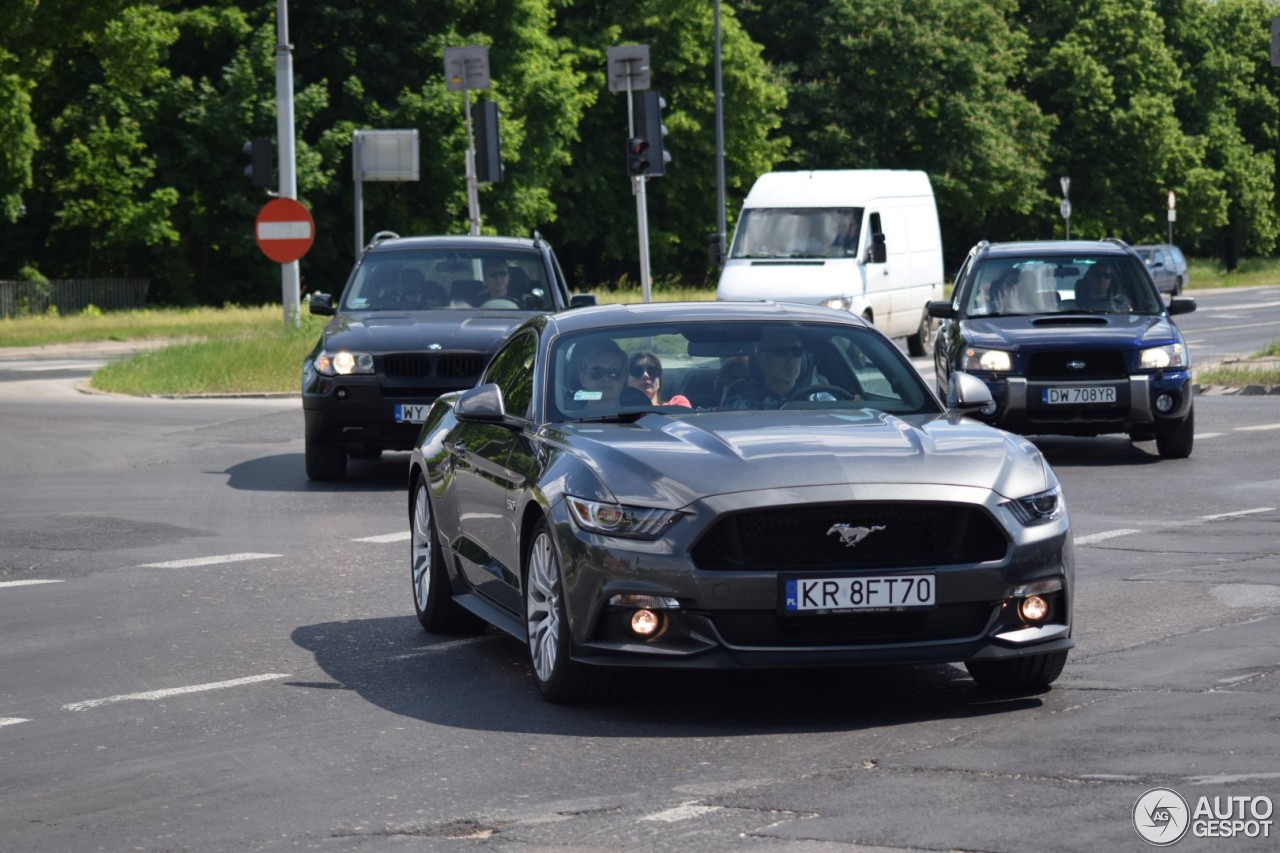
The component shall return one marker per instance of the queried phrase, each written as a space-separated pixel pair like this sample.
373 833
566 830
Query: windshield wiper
628 417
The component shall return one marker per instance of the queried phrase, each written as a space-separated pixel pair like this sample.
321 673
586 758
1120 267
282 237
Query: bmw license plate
411 413
1078 396
841 595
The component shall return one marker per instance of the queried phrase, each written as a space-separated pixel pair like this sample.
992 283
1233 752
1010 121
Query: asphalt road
201 650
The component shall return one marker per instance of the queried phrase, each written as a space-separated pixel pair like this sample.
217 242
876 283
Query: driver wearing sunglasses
776 369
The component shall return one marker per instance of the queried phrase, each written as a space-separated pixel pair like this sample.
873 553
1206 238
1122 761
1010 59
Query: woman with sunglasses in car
645 375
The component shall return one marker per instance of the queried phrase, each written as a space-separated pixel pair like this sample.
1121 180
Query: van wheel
918 344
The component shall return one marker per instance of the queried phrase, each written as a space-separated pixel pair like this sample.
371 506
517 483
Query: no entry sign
284 230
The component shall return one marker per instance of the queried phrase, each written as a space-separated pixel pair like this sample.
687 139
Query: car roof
1069 247
461 241
669 312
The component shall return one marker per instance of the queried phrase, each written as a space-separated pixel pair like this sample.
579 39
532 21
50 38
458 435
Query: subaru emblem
1075 364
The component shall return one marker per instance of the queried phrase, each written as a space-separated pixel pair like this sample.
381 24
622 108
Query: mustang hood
453 330
672 461
1073 331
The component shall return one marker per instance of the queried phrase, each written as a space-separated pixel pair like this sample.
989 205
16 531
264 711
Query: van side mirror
877 254
715 257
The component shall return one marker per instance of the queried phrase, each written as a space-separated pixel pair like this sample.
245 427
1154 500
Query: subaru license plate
844 594
1078 396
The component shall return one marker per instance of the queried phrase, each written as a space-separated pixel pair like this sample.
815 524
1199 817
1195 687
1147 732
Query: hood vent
1071 320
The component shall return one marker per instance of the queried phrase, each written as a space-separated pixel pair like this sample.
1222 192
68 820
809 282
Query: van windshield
798 232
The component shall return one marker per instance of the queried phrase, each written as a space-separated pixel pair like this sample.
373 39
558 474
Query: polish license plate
411 413
845 594
1077 396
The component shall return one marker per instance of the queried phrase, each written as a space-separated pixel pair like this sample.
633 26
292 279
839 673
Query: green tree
1231 103
920 84
597 221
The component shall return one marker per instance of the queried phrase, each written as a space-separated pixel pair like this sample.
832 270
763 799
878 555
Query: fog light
1164 403
1033 608
645 623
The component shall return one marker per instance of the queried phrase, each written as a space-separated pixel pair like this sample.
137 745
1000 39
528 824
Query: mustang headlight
990 360
343 363
1039 508
610 519
1159 358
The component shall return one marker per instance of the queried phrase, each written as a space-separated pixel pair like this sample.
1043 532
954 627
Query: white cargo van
861 240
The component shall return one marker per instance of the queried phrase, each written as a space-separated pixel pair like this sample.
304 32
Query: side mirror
322 304
1181 305
941 309
967 393
878 252
481 404
582 300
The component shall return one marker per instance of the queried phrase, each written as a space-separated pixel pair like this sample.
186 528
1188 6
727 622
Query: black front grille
413 365
809 537
1076 365
766 628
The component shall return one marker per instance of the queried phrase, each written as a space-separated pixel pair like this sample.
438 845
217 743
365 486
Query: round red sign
284 230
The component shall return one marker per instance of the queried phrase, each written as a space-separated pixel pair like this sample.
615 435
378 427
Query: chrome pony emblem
1076 364
851 535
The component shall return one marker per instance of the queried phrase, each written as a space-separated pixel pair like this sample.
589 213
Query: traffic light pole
642 209
290 295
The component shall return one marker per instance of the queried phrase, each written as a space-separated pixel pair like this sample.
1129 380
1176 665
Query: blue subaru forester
1072 338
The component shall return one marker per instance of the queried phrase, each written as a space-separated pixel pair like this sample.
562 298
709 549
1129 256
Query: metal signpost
290 293
467 68
1065 209
381 155
1173 215
629 72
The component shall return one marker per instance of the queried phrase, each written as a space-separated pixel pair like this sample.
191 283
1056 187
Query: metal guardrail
71 296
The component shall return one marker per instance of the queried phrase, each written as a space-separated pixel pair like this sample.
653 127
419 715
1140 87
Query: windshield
421 280
810 232
748 365
1061 284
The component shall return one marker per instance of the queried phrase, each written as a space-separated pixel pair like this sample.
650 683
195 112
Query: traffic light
637 156
648 123
484 118
258 151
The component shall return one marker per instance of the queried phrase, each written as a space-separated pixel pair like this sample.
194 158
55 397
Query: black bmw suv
418 317
1072 338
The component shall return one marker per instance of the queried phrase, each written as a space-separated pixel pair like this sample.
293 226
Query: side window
512 371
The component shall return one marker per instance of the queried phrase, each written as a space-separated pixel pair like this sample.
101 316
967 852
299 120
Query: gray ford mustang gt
734 485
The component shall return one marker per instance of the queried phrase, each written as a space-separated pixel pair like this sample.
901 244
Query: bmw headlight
612 519
1040 508
1160 358
989 360
343 363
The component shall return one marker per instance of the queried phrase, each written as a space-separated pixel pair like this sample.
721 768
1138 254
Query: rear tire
325 461
1030 671
1177 443
432 588
1177 285
560 678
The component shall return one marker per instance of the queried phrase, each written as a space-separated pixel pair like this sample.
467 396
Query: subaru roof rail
383 235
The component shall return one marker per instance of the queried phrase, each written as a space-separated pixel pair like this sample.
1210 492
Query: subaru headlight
1160 358
1040 508
989 360
343 363
613 519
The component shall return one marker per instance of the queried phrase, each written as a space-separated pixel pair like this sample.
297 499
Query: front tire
325 461
1177 443
1023 673
432 589
918 343
560 678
